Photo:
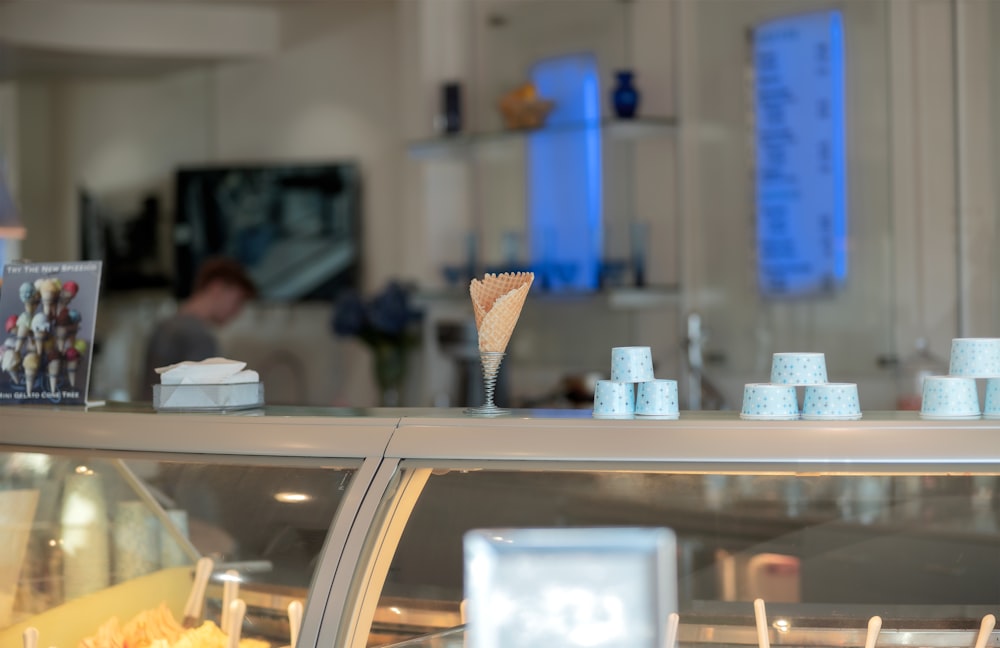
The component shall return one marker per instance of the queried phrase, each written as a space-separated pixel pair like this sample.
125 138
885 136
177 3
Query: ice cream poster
48 312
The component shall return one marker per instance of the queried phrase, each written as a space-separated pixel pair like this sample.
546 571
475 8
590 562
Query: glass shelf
615 129
616 298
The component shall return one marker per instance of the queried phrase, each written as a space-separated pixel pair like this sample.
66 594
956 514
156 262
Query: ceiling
46 39
27 63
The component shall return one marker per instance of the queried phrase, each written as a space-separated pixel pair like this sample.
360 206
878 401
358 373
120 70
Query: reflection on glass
907 547
85 533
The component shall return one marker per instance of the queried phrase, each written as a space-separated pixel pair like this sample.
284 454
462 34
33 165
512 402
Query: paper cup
991 408
631 364
950 397
17 515
770 402
657 399
614 400
135 540
975 357
85 530
832 401
798 369
171 553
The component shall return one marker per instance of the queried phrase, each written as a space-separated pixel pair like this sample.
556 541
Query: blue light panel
801 175
565 219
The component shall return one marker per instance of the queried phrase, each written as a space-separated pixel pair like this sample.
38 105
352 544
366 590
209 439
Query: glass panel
828 551
88 540
853 324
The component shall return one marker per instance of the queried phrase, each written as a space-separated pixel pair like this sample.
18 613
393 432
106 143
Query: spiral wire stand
491 367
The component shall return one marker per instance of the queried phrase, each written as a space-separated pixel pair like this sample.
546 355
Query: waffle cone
492 287
497 301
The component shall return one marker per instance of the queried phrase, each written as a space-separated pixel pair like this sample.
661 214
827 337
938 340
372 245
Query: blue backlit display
801 183
564 176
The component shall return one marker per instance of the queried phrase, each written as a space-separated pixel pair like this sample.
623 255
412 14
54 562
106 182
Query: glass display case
360 515
103 515
829 523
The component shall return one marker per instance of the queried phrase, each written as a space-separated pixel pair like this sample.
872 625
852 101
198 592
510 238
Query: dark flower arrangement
388 324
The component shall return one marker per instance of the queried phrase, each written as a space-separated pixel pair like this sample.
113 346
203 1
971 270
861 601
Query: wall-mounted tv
296 227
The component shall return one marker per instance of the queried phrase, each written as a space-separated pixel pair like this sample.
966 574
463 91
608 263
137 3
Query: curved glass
825 552
101 546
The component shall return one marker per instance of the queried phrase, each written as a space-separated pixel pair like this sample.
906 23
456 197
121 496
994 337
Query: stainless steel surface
325 598
326 620
693 634
725 635
882 442
274 433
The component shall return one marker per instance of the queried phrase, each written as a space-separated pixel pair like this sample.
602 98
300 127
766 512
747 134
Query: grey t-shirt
175 339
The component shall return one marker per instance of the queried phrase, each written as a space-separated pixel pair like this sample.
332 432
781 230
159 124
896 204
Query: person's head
222 286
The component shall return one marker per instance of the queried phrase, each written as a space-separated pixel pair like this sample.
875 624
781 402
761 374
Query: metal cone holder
491 367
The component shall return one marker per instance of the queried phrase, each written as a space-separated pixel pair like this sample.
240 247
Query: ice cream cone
72 328
67 293
497 302
55 364
30 297
61 334
30 362
39 339
49 290
11 364
23 332
40 328
61 329
485 292
72 360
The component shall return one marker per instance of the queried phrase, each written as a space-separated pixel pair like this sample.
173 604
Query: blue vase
625 97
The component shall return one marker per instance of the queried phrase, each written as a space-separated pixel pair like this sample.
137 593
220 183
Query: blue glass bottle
625 97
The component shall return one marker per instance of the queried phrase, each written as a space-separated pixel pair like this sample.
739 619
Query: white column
977 215
925 226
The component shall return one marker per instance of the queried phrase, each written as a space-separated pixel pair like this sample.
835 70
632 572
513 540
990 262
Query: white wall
856 325
329 94
361 79
485 191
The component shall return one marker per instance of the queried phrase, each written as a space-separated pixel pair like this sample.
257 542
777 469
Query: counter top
892 442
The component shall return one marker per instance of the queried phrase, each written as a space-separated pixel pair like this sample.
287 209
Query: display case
830 523
105 512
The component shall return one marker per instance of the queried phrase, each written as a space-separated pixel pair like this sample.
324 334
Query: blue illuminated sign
565 216
801 182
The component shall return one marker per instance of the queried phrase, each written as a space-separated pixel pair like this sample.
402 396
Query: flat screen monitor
295 227
800 157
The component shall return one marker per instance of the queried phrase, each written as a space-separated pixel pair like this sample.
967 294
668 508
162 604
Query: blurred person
221 289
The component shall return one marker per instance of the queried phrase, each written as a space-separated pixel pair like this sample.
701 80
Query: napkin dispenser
214 384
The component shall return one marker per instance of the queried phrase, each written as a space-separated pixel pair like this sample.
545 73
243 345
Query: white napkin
211 371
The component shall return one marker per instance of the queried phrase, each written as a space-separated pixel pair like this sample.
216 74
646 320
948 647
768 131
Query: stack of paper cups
617 398
136 541
956 395
17 514
85 530
171 553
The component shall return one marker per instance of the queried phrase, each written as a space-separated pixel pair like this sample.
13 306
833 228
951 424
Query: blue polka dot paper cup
657 399
631 364
991 408
975 357
799 369
769 402
947 397
832 401
614 400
